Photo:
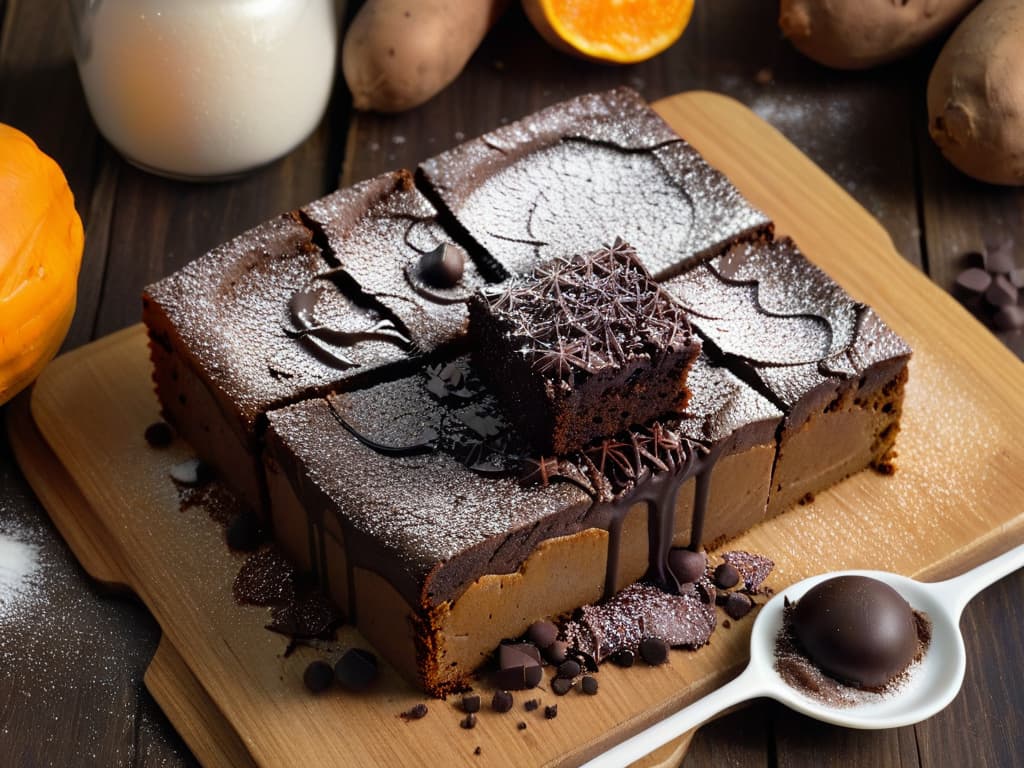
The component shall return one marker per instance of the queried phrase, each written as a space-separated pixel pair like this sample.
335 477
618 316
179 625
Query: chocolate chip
974 280
556 652
519 666
561 685
244 534
654 650
1009 318
318 676
686 565
159 434
471 703
738 605
623 658
191 472
418 712
551 712
999 258
1017 278
589 685
569 669
444 266
502 701
726 576
727 624
356 669
531 705
477 751
469 721
1002 293
542 633
521 725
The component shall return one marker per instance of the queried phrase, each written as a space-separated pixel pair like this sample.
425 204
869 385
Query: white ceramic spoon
934 683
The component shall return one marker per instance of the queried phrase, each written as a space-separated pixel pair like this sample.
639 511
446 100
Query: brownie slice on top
590 169
440 532
583 348
271 317
830 363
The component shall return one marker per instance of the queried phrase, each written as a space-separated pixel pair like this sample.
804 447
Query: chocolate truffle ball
857 630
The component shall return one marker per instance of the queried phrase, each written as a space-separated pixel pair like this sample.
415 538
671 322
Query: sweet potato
976 94
399 53
857 34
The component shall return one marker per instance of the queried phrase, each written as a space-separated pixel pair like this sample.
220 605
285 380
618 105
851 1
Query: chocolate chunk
753 569
726 576
521 725
706 592
542 634
654 651
623 658
686 565
1002 293
569 669
244 534
1009 318
159 434
318 676
468 722
738 605
721 598
974 280
561 686
191 472
356 669
727 624
856 629
556 652
531 705
444 266
471 703
477 751
999 258
417 712
1017 278
589 685
502 701
519 666
551 712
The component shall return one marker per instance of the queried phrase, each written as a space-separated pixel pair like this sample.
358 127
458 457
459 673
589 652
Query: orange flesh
618 30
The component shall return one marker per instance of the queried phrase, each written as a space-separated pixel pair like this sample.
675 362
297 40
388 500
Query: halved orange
619 31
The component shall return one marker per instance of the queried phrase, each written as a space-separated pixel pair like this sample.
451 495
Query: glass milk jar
204 89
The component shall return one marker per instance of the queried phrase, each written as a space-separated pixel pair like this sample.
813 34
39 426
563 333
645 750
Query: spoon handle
747 686
960 590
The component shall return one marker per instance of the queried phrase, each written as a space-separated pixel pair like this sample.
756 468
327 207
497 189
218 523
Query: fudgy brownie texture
582 348
586 171
829 362
271 317
419 507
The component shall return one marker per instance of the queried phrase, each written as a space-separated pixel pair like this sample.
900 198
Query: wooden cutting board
957 499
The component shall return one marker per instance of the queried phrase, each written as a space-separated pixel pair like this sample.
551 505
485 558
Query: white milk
206 88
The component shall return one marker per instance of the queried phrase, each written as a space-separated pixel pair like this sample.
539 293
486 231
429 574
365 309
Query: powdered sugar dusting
20 572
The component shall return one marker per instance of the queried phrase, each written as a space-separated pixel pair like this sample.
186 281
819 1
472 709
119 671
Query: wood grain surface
866 130
93 404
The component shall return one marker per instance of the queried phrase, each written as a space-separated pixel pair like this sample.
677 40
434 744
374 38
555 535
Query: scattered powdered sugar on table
20 573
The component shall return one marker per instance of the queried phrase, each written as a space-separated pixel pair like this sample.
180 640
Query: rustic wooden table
72 657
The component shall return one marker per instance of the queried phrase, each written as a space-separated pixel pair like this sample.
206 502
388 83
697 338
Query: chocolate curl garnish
538 471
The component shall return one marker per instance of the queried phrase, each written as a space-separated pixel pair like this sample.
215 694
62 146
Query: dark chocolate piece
857 629
654 651
561 686
623 658
502 701
999 257
1009 318
583 348
521 726
542 634
519 666
551 712
159 434
531 704
590 169
318 676
416 712
1001 293
738 605
555 653
471 703
568 669
727 576
356 670
974 280
468 722
443 267
589 685
686 565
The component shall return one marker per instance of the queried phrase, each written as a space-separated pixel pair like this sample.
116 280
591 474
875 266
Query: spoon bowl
931 684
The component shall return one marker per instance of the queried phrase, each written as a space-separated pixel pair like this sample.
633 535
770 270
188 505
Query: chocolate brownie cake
583 172
585 347
282 313
829 362
422 511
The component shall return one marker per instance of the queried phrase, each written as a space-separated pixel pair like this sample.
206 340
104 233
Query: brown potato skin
858 34
398 54
976 94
